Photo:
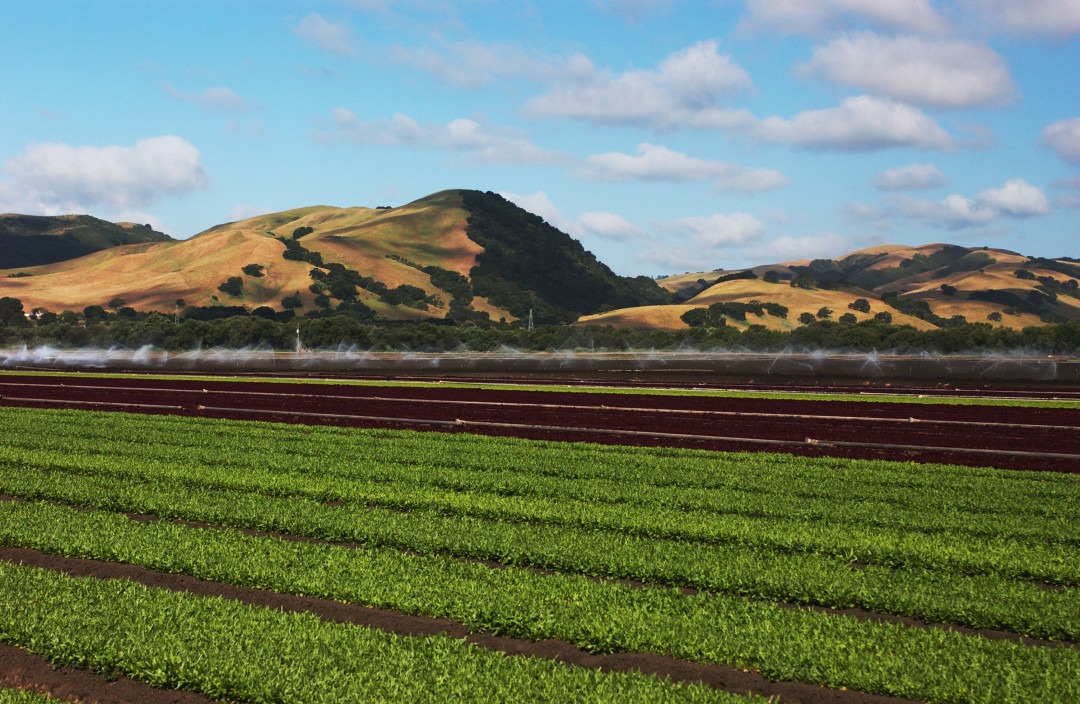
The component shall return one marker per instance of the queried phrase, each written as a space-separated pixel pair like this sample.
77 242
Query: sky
668 136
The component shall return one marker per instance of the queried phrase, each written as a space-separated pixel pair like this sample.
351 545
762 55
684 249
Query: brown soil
602 414
715 676
20 669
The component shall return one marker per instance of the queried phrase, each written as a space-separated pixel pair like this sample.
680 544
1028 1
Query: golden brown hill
460 253
430 231
924 286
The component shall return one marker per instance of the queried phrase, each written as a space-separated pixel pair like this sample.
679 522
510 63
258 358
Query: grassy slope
797 300
922 286
152 276
32 240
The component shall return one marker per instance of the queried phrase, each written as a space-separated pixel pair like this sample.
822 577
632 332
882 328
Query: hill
934 285
31 240
462 254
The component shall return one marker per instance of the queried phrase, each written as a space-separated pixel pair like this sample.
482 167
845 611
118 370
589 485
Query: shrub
232 286
860 304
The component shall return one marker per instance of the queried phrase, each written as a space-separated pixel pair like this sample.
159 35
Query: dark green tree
232 286
11 311
94 314
860 304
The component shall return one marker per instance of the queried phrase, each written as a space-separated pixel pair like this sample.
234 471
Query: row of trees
332 330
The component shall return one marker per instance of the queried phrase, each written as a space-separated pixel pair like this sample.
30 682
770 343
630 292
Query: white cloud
332 37
912 177
813 247
58 178
610 226
931 72
719 230
858 124
245 211
684 91
211 99
1015 199
1064 138
540 204
822 16
481 143
600 224
655 163
471 64
1054 18
684 84
1071 197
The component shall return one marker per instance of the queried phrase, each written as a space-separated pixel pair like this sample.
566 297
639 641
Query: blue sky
667 136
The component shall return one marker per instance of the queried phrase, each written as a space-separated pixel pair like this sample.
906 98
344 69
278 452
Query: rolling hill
31 240
926 287
464 253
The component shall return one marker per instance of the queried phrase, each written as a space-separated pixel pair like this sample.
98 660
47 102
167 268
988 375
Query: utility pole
530 319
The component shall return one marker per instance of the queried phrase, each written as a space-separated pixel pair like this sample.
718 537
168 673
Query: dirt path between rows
21 669
715 676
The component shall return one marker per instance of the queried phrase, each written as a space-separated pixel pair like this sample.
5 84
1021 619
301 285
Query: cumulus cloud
540 204
60 178
941 73
1015 199
610 226
913 177
472 64
719 230
244 211
859 123
479 142
685 83
212 99
605 225
332 37
821 16
1064 138
1054 18
810 247
655 163
1071 197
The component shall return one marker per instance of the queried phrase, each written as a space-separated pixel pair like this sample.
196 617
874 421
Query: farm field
1006 428
216 559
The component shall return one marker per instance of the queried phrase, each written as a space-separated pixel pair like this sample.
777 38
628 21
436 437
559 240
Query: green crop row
22 696
230 651
980 602
995 493
784 643
1050 562
275 470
